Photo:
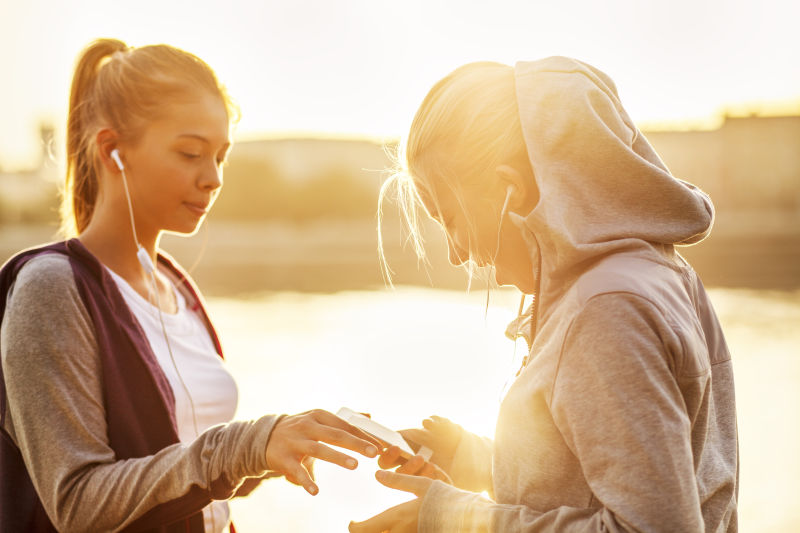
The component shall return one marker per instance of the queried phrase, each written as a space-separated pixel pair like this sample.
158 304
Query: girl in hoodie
622 416
115 405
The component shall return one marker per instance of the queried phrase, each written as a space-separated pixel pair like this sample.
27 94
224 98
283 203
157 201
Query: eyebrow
200 138
194 136
226 147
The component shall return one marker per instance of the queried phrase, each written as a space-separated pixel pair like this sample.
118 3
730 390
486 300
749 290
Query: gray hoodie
624 417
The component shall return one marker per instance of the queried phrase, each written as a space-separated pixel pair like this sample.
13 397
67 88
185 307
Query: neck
110 238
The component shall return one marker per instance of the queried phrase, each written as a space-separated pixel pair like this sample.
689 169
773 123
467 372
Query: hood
602 187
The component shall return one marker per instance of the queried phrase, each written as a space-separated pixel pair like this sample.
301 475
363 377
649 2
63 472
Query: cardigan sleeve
57 419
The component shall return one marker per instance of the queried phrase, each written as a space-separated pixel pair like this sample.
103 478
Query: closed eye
189 155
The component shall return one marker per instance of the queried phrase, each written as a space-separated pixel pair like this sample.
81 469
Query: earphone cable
172 357
130 206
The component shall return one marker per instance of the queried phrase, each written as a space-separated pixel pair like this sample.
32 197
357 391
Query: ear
524 193
107 140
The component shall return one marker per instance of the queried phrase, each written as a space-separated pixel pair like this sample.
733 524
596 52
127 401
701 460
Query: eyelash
191 157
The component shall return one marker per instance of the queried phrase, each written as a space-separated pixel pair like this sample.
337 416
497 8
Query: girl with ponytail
115 404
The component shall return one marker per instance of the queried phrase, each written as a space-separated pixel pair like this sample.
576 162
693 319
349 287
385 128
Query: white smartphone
384 434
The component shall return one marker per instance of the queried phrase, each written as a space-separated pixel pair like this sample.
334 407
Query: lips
198 209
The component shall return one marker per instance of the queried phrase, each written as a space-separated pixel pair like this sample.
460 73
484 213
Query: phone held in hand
384 434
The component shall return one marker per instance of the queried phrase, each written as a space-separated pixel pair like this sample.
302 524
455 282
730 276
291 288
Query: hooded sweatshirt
623 417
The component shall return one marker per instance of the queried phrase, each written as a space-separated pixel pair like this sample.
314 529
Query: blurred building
749 165
31 195
306 159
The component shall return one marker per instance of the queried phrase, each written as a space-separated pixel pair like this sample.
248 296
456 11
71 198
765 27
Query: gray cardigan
57 416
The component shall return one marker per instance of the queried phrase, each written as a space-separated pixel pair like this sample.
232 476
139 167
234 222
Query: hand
440 435
400 518
296 440
415 466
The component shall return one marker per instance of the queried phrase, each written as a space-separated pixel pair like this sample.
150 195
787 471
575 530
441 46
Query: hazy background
287 258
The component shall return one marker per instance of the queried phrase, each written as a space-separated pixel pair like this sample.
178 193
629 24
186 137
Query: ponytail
124 88
80 191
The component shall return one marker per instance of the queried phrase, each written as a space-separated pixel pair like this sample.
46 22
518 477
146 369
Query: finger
390 457
412 466
331 420
295 473
413 484
432 423
427 470
441 475
324 453
381 522
308 464
418 436
343 439
439 423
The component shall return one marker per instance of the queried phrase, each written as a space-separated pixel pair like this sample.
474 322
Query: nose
211 178
455 254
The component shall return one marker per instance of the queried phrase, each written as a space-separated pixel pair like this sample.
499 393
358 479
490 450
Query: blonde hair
466 126
123 88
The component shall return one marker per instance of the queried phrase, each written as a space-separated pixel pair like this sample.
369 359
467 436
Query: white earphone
141 253
509 192
150 270
115 156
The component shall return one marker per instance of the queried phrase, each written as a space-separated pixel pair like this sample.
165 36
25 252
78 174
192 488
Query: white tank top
211 386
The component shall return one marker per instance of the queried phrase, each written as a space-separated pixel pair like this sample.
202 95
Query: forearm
164 487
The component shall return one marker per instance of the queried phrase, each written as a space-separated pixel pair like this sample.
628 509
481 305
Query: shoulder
625 273
653 279
44 293
46 269
45 277
46 325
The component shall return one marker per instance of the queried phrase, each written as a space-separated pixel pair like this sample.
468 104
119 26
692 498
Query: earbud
115 156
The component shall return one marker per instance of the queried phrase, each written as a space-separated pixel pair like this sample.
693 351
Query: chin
502 281
185 230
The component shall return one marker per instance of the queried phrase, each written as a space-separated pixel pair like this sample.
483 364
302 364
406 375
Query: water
406 354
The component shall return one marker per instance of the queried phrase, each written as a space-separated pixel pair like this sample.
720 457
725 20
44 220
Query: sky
361 67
